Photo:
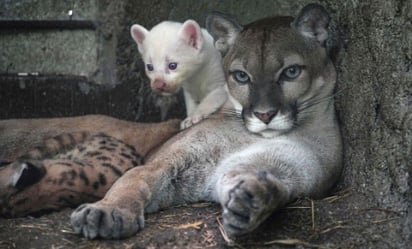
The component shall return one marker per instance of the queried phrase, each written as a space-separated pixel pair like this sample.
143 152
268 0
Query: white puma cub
183 56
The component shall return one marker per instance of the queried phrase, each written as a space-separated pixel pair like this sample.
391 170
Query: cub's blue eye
172 66
292 72
241 77
149 67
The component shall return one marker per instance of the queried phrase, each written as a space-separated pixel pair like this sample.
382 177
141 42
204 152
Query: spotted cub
66 170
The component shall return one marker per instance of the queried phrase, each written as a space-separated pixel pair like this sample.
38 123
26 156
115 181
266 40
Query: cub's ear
4 163
313 21
191 34
26 174
139 34
224 30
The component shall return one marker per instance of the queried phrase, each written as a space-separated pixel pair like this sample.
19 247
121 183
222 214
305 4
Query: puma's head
278 70
172 52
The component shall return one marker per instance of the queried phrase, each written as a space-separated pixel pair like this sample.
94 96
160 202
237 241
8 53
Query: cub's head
171 51
278 71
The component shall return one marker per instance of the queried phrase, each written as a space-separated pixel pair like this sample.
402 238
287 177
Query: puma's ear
192 34
313 21
139 34
224 30
19 175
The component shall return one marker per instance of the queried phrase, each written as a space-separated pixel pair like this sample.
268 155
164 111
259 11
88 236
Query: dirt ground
338 221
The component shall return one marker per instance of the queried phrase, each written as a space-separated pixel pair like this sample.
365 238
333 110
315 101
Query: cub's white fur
183 56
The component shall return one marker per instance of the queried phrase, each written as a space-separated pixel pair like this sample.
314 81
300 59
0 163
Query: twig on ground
312 205
384 220
36 226
229 241
201 205
223 232
297 207
339 195
292 242
196 225
327 230
67 231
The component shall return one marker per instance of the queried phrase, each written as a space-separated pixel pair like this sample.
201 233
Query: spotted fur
74 167
67 170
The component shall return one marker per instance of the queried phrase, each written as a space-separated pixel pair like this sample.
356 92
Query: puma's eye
172 66
149 67
241 77
292 72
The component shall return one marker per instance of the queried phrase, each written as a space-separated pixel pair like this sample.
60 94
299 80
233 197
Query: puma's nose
266 117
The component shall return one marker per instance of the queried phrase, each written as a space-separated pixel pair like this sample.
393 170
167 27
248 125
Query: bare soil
338 221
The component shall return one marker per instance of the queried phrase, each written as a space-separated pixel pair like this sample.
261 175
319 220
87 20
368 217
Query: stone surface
374 98
51 52
47 9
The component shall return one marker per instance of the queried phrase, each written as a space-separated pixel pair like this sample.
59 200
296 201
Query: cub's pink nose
159 85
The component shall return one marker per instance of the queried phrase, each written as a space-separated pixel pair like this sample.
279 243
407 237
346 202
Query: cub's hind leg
68 170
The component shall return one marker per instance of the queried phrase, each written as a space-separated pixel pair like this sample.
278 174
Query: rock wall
374 100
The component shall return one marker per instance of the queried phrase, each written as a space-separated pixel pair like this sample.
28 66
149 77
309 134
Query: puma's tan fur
279 140
276 140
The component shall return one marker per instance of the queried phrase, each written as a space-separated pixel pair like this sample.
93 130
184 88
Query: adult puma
277 140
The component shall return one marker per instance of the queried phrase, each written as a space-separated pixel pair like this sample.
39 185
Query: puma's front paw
189 121
248 199
96 220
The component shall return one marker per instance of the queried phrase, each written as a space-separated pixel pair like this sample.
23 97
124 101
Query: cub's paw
95 220
189 121
249 199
